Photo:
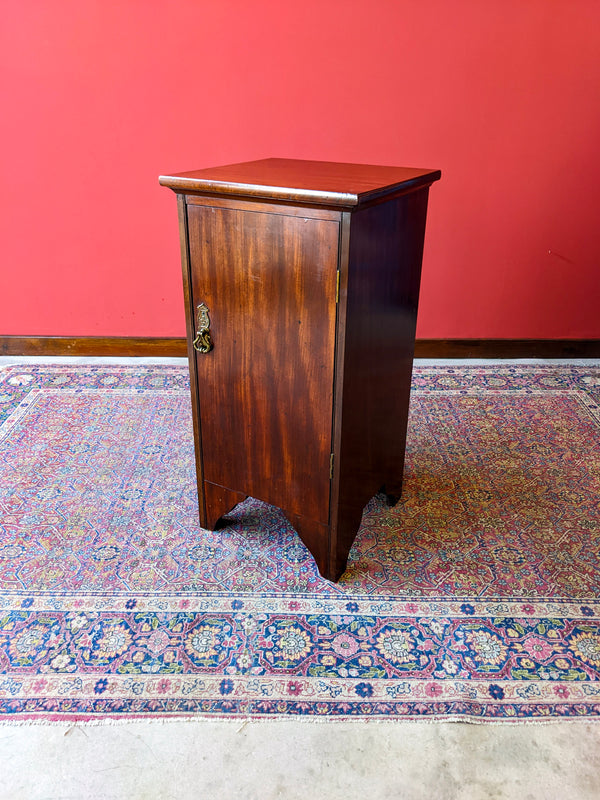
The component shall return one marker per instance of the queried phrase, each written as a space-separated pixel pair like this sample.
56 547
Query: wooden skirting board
119 346
507 348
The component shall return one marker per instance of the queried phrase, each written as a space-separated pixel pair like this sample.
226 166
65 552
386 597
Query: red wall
100 96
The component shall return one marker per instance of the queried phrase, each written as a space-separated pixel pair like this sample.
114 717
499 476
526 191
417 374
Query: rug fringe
243 722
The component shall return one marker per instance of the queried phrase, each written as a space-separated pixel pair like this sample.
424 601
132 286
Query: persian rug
475 598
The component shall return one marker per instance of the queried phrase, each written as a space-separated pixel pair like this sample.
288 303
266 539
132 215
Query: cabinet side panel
268 282
384 272
189 312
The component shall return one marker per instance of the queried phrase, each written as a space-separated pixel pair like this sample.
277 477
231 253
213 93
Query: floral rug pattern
476 597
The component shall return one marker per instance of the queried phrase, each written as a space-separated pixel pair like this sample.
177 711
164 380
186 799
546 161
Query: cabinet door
265 390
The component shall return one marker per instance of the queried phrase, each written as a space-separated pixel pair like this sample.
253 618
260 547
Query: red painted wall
99 97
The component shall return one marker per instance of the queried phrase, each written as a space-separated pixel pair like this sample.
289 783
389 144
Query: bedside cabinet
301 283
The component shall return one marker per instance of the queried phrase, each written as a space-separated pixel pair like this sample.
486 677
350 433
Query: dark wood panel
175 347
217 502
507 348
117 346
189 325
378 313
265 389
288 209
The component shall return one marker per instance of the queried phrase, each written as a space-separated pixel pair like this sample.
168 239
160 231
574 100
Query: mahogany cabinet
301 283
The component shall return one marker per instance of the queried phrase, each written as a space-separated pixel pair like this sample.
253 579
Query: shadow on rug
475 598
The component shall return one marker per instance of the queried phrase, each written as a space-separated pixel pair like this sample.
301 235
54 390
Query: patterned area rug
476 598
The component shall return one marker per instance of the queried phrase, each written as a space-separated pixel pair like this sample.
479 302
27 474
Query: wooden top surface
315 182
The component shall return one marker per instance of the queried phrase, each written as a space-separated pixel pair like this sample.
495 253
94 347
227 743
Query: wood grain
376 331
265 390
293 180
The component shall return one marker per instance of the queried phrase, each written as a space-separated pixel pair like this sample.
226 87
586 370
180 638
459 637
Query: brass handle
203 342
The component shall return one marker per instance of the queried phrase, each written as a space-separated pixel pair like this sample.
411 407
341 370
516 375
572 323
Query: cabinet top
310 182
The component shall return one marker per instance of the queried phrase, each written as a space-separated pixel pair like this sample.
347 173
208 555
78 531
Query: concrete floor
291 759
299 760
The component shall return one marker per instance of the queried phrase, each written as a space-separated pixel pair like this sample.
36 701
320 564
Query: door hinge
337 286
331 467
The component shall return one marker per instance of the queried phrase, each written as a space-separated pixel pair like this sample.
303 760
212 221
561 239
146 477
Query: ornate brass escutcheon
203 342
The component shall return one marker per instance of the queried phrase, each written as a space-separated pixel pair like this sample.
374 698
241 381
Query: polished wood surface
317 182
244 204
266 388
188 301
301 283
377 331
